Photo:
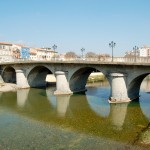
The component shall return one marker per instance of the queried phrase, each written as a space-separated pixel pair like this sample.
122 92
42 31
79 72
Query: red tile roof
5 43
146 46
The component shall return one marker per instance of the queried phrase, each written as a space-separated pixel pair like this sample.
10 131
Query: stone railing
107 59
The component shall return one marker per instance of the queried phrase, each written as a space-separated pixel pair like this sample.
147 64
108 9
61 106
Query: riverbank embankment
6 87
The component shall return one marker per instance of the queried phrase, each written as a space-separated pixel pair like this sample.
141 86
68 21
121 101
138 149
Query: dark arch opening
9 75
37 76
79 79
134 87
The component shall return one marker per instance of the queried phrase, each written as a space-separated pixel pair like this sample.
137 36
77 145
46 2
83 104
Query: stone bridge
71 76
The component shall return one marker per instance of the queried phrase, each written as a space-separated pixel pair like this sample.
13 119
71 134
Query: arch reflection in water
97 97
145 104
50 96
22 96
146 110
99 106
145 97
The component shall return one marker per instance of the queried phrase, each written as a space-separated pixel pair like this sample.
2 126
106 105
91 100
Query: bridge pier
118 88
62 86
21 80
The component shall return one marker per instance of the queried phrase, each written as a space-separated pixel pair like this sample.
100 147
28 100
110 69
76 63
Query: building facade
141 52
5 52
14 52
148 50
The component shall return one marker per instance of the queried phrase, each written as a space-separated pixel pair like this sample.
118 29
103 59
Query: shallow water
36 119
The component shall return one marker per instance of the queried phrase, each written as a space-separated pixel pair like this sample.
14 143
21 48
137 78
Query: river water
36 119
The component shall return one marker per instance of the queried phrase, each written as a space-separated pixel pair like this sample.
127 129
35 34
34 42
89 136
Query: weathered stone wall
76 74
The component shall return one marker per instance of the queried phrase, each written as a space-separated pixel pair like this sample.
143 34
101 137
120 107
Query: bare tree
129 54
69 55
102 57
90 55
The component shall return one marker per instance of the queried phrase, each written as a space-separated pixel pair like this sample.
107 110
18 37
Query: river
36 119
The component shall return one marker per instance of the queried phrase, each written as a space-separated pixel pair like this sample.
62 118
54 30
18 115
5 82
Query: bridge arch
134 86
9 74
37 76
78 79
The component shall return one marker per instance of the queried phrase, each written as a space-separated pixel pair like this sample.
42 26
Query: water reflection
22 96
145 97
117 115
87 113
98 98
62 104
145 86
146 110
100 107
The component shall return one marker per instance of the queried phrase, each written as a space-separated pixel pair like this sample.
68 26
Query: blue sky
73 24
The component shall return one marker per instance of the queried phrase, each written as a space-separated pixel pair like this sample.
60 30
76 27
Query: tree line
73 55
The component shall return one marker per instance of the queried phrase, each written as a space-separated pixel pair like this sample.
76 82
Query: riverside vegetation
96 77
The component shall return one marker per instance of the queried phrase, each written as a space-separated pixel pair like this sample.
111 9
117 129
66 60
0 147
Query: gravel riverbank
6 87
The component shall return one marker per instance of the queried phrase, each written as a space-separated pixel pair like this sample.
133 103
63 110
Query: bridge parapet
105 59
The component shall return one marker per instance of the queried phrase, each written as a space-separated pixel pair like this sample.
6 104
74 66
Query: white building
33 54
45 53
49 53
143 52
5 52
41 54
148 50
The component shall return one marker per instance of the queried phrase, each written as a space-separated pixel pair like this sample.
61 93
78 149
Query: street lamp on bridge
112 45
135 48
82 50
54 48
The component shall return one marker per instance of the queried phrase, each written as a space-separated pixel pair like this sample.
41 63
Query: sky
76 24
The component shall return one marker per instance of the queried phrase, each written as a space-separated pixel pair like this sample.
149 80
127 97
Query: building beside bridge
5 51
140 52
12 52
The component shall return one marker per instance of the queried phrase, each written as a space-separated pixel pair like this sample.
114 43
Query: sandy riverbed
6 87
